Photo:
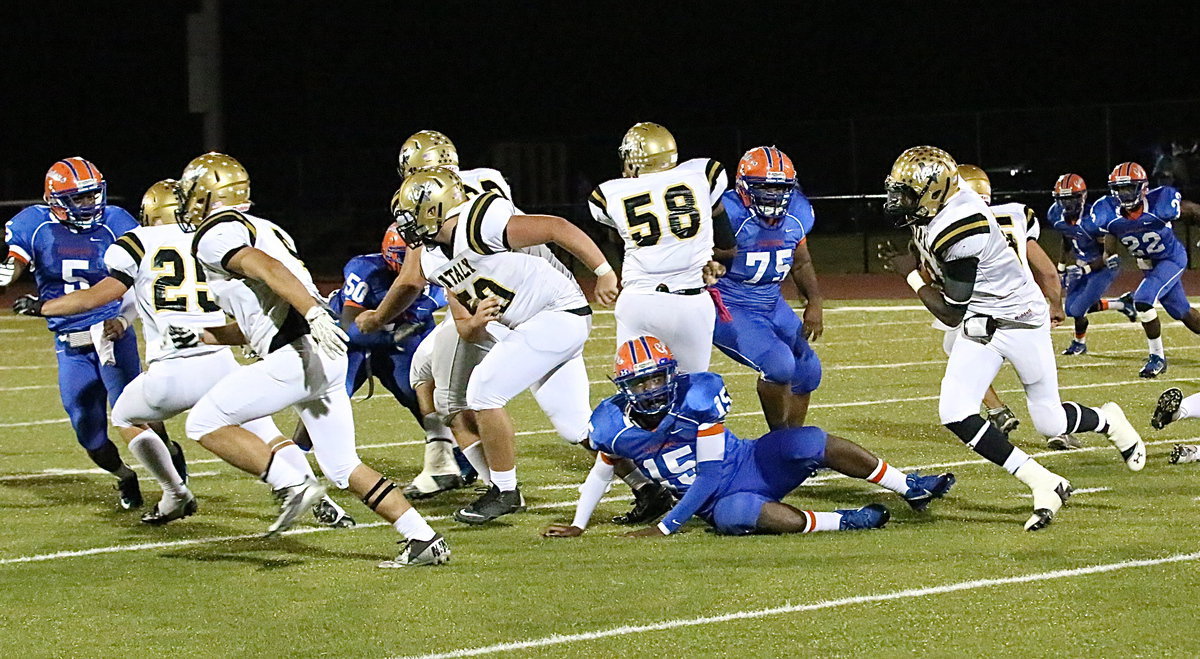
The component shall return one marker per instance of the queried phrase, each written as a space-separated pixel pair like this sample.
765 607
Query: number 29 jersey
480 264
168 284
666 221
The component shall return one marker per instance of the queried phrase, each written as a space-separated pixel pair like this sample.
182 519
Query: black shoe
158 518
131 493
649 503
178 459
491 505
1168 404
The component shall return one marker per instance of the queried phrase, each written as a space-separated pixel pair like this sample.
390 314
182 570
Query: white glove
325 331
7 269
180 338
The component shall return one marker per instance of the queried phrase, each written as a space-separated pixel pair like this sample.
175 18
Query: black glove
28 305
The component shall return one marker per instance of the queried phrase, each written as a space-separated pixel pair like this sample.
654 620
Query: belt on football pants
79 339
662 288
585 310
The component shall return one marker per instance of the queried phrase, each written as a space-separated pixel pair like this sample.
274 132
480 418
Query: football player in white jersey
488 279
669 215
446 360
169 287
259 280
1001 314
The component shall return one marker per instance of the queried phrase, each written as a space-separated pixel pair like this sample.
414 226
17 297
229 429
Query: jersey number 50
646 228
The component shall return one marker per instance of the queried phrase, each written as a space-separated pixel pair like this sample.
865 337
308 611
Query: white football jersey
1019 224
169 286
1004 287
266 319
666 221
480 264
482 179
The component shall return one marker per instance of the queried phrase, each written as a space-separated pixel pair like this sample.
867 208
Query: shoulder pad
221 217
699 397
476 213
958 230
132 245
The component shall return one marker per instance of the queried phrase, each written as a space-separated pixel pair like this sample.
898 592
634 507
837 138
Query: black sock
107 458
983 437
1081 418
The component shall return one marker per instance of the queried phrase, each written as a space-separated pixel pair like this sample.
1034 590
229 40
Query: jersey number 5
646 228
172 270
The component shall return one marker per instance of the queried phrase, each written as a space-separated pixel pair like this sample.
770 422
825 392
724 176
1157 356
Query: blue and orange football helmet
394 248
76 193
644 370
1128 183
766 180
1070 191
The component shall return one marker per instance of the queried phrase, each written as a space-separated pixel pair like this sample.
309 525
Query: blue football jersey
367 280
667 454
1086 239
64 259
764 253
1149 236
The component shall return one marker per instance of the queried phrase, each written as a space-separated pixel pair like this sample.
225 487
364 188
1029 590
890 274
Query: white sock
1015 460
1189 408
823 521
295 457
281 474
505 480
474 454
1115 304
887 476
1156 346
435 429
1033 474
414 527
150 450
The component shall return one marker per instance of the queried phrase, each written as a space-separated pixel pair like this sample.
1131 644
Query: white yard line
911 593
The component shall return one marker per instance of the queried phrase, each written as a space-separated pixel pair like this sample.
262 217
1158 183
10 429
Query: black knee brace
983 437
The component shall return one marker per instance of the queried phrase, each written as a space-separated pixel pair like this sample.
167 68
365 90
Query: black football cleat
491 505
157 517
131 493
1166 408
649 503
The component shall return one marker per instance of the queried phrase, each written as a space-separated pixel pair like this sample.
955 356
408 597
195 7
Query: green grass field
1115 575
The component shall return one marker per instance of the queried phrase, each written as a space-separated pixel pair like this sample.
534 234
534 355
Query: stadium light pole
204 71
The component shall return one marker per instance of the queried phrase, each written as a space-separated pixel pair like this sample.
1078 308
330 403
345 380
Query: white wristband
603 269
915 281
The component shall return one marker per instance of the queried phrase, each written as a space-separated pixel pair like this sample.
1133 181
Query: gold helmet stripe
968 226
132 245
475 222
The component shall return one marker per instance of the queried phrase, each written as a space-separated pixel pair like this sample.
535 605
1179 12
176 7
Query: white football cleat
295 500
1050 492
1123 436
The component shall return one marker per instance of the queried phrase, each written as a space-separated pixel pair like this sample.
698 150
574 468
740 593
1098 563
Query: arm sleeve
710 452
598 206
723 237
592 490
959 276
217 243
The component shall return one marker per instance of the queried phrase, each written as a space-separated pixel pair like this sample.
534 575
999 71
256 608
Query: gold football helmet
976 179
211 181
159 204
921 181
424 201
426 148
647 148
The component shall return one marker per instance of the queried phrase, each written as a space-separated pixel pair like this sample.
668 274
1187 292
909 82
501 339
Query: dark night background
318 98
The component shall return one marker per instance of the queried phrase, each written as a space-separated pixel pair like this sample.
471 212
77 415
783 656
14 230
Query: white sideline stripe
562 639
114 549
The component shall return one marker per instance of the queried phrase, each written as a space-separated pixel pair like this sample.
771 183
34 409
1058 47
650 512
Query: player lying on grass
671 425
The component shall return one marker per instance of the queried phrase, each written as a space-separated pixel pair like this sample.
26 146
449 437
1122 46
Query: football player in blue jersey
1141 219
771 219
1086 270
671 425
388 353
63 243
